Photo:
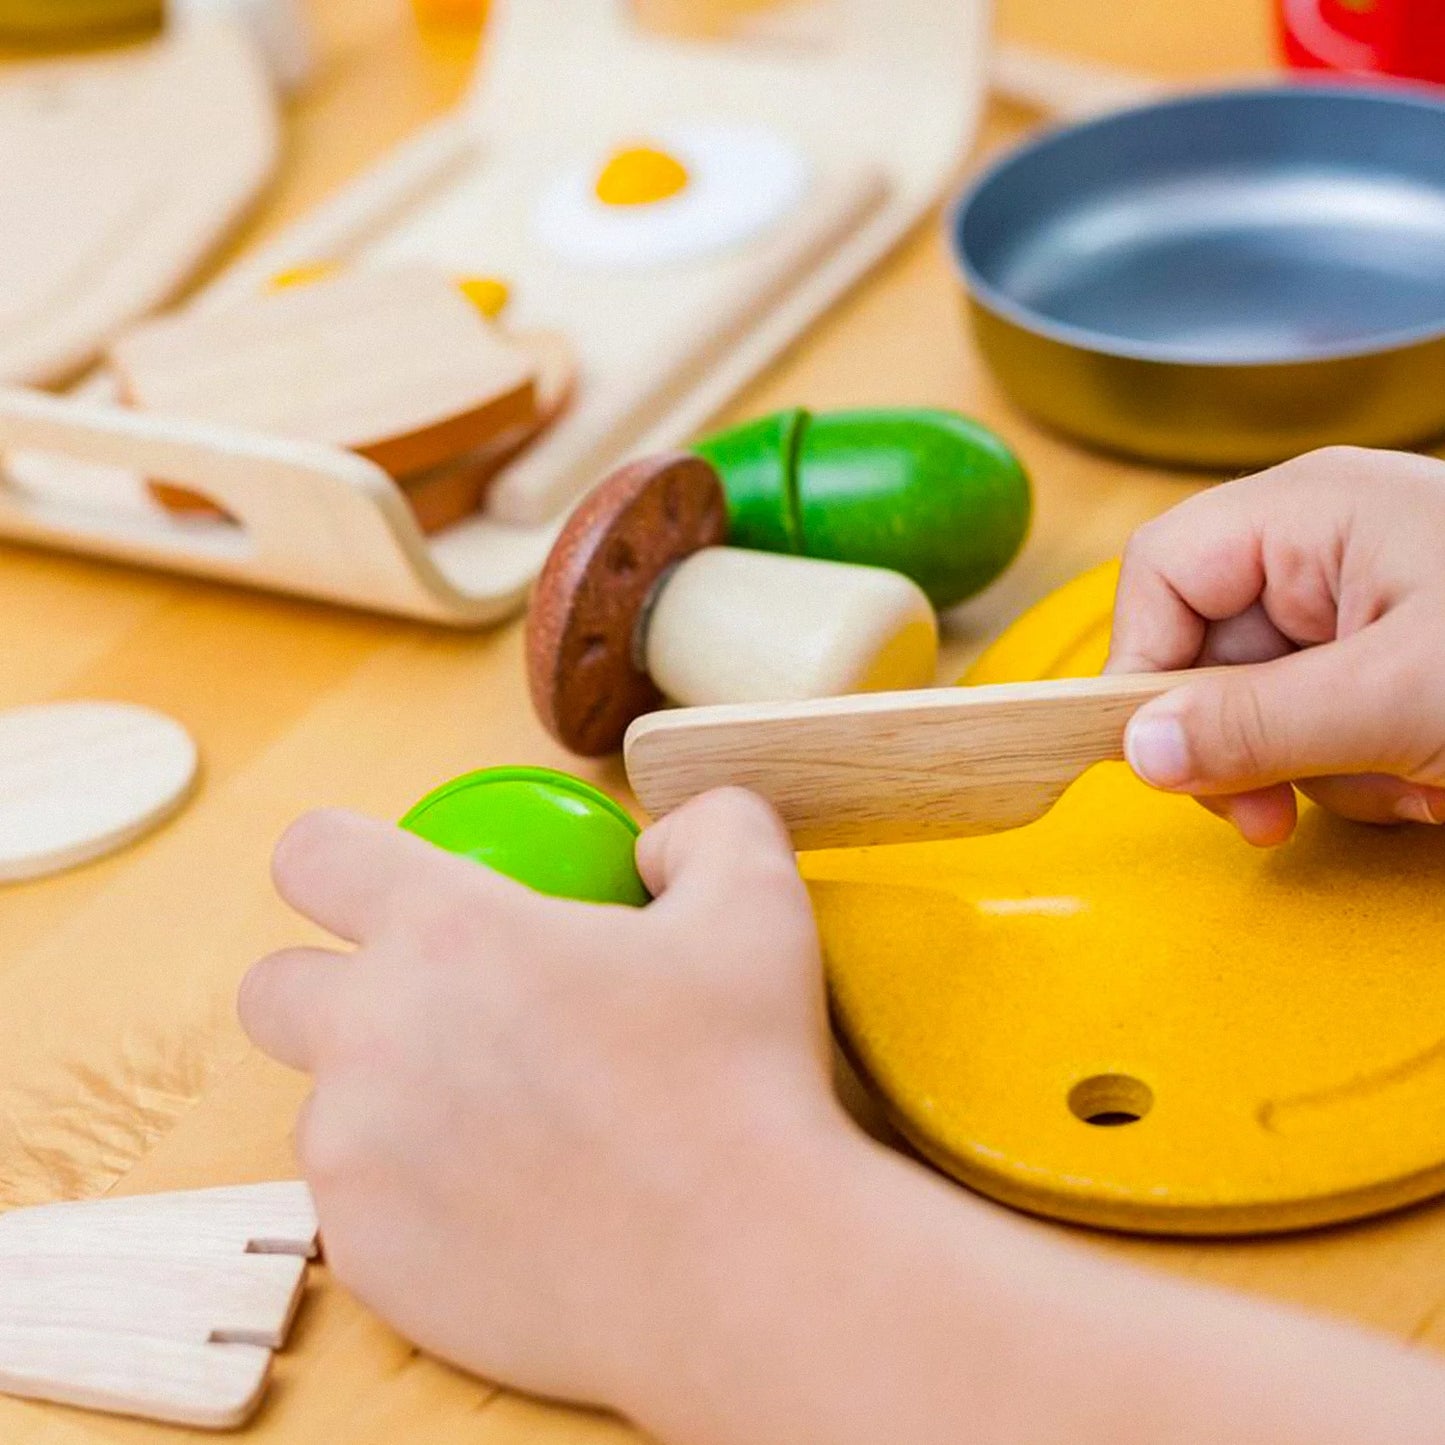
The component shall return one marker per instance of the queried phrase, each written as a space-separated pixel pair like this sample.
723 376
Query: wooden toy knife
894 767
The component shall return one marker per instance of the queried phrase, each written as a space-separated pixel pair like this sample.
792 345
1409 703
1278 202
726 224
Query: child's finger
1154 628
1319 712
1265 817
716 843
352 874
1378 798
1274 539
287 1004
1250 637
1202 562
326 867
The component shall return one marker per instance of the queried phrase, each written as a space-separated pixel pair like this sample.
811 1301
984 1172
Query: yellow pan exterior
1276 1018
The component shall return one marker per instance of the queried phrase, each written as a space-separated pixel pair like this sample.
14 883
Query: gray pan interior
1282 225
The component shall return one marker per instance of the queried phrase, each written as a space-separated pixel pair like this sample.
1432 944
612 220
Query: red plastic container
1366 37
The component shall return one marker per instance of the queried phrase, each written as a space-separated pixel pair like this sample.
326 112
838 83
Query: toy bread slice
272 1218
209 1386
444 495
396 365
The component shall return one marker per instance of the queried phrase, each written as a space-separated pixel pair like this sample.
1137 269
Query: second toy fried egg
684 193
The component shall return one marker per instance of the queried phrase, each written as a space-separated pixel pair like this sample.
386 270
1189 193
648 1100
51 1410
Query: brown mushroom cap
587 681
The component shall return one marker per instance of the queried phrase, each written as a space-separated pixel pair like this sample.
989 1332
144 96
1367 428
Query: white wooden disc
81 779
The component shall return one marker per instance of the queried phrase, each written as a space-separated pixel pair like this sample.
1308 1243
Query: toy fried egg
682 194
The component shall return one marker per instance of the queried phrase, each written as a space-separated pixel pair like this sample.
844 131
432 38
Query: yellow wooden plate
1123 1015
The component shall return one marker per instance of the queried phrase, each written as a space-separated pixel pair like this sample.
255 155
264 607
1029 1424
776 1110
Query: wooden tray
661 351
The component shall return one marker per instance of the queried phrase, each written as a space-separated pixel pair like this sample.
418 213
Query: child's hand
1329 572
538 1125
593 1152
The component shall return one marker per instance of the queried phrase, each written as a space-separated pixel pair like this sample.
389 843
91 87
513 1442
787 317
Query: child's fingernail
1415 808
1157 749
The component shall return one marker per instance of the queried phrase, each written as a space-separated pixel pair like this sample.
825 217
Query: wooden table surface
121 1066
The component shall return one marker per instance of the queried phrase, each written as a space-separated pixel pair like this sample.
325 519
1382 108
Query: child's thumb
718 842
1326 710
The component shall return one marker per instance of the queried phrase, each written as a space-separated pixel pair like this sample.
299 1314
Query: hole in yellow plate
1110 1100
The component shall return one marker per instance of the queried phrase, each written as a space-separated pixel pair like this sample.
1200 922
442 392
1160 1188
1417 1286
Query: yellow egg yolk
489 294
640 176
303 275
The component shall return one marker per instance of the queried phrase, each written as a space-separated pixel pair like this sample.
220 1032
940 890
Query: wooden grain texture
893 767
225 1221
308 519
131 1305
122 1069
79 780
246 1299
125 171
664 351
210 1386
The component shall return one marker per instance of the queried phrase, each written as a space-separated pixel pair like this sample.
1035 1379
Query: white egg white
742 181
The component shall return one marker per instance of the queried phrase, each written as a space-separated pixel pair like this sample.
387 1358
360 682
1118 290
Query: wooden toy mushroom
640 602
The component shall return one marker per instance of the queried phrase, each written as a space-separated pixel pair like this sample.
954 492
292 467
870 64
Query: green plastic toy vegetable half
546 829
927 493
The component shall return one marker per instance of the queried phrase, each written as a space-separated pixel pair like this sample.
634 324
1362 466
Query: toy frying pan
1221 280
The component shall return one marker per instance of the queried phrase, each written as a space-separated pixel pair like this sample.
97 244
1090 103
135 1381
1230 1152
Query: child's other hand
1329 573
539 1127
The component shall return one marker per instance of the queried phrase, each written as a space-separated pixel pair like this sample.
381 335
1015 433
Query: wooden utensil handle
894 767
1065 88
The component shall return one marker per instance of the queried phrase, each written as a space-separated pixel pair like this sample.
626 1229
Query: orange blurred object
450 14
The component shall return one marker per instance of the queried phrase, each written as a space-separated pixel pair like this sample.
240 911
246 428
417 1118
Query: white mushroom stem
730 625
